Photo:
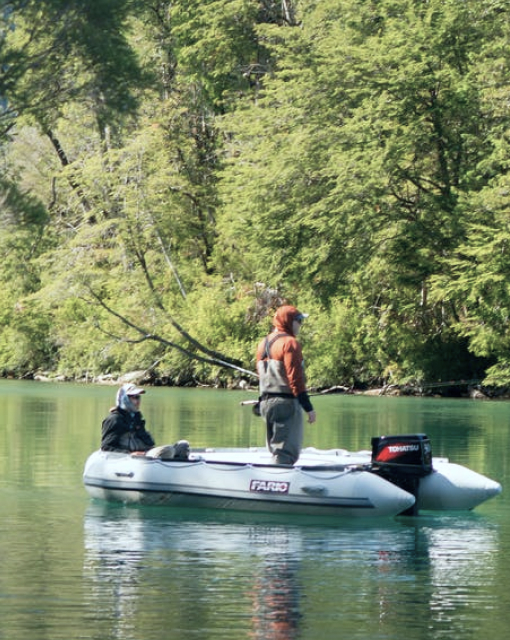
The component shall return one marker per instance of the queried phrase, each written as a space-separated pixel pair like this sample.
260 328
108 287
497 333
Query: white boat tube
449 486
332 490
334 482
452 487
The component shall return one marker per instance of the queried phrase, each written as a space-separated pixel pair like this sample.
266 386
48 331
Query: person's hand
312 417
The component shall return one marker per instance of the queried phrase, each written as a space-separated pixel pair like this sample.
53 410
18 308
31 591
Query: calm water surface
74 568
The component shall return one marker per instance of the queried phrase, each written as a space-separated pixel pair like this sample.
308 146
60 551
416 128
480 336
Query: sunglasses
135 397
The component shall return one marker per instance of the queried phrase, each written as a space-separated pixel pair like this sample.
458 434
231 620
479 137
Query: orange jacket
282 370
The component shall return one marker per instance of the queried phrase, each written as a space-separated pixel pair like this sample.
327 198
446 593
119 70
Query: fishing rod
325 392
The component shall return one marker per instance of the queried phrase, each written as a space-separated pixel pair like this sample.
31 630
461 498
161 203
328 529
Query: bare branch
146 335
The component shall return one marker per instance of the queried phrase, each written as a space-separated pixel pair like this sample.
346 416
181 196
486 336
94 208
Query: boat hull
335 490
328 483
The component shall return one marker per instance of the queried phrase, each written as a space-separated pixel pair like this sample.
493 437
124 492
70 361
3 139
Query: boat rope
339 473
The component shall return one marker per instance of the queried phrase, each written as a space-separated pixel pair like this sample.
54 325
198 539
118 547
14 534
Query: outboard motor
403 460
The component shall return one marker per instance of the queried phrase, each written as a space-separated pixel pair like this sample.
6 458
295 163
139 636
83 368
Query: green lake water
75 568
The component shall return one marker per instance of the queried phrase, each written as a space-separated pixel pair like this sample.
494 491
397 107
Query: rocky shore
444 389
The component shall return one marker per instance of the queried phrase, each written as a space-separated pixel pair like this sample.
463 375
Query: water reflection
218 577
463 566
75 569
246 571
276 599
448 565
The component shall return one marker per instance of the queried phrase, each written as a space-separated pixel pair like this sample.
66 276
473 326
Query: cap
132 390
301 316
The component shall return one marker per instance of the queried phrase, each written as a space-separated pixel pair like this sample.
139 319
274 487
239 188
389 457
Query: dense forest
171 172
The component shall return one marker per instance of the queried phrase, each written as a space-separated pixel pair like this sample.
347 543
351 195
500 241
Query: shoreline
468 389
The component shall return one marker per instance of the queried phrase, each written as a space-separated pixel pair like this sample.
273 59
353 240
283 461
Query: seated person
124 427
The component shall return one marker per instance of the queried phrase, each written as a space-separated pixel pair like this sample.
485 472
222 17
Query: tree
347 172
187 158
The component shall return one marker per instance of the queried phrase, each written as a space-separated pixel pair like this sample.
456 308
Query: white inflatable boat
398 476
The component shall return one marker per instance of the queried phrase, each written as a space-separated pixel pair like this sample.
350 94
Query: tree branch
214 360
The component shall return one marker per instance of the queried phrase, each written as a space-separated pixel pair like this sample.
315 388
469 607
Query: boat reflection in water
447 564
242 575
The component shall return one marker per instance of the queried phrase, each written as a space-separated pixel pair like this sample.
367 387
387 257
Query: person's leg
284 421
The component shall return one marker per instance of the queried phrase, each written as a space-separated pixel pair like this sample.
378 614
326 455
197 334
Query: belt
265 396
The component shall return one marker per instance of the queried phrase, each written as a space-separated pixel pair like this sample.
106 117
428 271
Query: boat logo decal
269 486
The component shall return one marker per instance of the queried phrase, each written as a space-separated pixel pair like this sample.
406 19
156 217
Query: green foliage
203 162
215 43
217 315
328 338
24 342
57 51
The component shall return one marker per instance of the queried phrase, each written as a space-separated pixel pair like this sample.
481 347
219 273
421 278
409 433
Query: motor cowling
402 460
406 454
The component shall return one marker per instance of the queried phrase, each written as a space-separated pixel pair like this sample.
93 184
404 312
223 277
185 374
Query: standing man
283 396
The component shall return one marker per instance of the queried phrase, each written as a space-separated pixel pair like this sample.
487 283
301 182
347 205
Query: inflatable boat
398 476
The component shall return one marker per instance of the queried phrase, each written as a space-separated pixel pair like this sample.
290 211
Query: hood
123 399
284 317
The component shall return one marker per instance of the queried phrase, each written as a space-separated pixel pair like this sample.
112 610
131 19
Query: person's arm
292 357
305 402
293 362
111 431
